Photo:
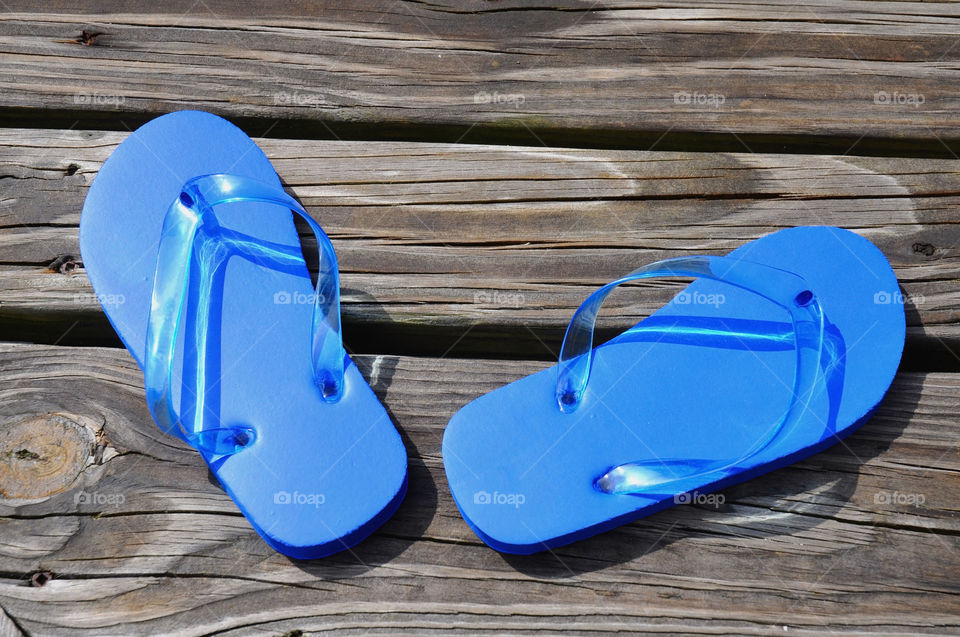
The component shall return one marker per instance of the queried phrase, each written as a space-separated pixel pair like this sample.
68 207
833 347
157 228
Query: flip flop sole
522 473
319 477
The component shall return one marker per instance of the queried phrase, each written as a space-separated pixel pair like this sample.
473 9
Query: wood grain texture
108 527
142 541
881 75
489 250
8 627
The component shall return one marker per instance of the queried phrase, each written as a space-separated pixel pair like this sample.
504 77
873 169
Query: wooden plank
7 626
139 540
823 73
489 249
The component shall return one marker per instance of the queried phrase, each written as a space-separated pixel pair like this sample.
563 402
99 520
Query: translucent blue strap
783 288
172 282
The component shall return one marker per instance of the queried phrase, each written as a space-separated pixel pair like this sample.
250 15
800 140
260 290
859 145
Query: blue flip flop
776 351
242 356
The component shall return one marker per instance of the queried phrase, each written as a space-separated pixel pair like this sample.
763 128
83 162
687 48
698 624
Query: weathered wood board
636 131
877 76
434 239
139 539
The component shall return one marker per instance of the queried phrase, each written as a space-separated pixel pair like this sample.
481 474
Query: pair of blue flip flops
773 353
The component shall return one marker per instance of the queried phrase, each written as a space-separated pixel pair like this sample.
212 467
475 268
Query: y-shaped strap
172 282
785 289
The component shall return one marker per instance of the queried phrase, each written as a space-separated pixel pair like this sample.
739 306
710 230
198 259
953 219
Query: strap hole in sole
803 299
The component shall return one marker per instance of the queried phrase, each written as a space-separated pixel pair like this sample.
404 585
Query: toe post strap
179 272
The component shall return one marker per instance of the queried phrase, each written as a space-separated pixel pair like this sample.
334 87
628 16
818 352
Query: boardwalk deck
461 265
